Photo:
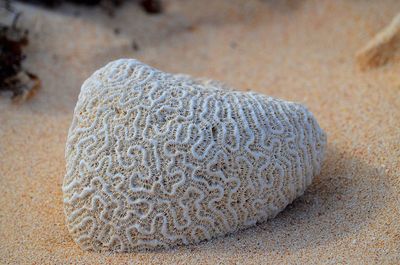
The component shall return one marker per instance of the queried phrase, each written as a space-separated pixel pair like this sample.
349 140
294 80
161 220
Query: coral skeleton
156 160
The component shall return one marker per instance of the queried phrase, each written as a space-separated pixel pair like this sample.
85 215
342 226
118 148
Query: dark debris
13 77
150 6
135 46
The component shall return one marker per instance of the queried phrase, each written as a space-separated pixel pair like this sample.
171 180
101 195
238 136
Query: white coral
157 160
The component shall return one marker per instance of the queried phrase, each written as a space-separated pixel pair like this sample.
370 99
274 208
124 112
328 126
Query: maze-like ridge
157 160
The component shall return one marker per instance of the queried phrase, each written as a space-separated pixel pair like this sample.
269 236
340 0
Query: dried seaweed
13 77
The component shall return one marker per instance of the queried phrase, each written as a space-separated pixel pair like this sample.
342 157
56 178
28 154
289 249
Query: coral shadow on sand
330 208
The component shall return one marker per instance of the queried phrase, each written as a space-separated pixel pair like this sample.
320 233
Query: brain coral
156 159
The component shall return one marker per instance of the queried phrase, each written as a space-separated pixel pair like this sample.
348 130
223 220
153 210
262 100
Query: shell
156 160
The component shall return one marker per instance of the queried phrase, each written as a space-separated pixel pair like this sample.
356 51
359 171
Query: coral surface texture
156 160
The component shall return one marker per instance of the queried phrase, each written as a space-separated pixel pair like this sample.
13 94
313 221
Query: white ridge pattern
157 160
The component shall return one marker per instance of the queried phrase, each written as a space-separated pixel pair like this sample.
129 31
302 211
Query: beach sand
301 51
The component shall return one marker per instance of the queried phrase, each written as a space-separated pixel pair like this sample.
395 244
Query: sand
296 50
